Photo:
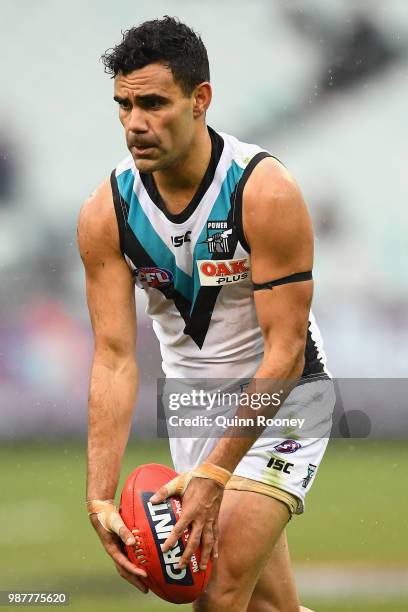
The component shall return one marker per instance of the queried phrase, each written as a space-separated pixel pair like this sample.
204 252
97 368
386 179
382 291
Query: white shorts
288 463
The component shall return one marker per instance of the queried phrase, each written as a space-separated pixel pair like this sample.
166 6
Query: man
183 211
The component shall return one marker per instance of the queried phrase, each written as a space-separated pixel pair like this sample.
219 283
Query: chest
203 252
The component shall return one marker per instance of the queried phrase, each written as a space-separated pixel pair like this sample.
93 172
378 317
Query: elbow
288 358
116 357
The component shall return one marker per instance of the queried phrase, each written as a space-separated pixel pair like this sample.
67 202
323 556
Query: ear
201 99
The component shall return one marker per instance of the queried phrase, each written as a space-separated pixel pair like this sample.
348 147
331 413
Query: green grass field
357 515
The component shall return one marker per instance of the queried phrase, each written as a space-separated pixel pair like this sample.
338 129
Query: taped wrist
107 514
178 485
212 471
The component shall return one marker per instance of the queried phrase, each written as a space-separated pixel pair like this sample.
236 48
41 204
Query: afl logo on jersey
154 277
223 272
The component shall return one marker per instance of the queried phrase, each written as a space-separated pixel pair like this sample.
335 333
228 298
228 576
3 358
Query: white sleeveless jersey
195 267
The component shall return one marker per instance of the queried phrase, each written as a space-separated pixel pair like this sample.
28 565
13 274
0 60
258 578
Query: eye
153 103
124 105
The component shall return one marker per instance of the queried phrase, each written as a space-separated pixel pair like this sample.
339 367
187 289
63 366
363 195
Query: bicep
281 238
280 234
109 283
111 303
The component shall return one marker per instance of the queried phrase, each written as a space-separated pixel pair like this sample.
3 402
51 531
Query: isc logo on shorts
223 272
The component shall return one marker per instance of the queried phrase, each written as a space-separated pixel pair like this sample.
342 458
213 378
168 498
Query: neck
187 173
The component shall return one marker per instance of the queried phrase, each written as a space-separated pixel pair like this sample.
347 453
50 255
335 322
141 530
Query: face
159 119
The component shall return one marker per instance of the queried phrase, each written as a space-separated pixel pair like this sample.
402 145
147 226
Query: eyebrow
144 98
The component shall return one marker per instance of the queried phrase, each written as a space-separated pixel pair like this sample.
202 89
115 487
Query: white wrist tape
107 514
178 485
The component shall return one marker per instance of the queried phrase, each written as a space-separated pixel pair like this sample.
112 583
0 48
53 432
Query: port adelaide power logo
218 234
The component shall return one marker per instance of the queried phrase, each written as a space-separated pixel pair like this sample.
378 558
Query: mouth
143 151
142 146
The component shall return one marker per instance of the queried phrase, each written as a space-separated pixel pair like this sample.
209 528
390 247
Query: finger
207 544
126 536
113 522
175 534
121 560
160 495
214 552
137 582
193 543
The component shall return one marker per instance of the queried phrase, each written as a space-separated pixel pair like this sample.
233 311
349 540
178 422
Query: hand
201 504
113 542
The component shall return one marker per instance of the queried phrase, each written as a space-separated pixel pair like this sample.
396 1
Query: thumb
116 524
112 521
126 536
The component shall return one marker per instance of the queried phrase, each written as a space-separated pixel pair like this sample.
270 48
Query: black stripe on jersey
313 364
237 204
121 211
207 296
217 146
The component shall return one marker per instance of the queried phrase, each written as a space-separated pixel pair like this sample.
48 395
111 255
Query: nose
137 121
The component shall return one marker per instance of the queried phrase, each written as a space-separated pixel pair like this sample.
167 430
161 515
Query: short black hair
166 41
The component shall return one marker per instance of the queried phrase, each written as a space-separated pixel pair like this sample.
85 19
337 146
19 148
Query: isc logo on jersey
154 277
214 272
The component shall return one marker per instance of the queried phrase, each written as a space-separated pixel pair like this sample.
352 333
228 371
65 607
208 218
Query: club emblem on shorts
310 471
218 235
287 446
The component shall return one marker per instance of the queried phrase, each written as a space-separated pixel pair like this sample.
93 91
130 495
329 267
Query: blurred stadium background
323 85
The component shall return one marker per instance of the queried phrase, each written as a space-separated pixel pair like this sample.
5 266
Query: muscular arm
114 375
278 229
113 384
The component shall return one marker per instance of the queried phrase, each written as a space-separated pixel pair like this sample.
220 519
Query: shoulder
273 204
271 184
97 226
275 216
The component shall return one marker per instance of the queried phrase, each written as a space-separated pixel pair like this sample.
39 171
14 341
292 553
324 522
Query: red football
155 522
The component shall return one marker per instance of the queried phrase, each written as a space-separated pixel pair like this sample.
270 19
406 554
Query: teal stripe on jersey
155 247
125 182
219 212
